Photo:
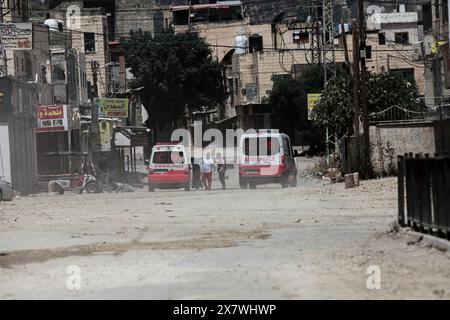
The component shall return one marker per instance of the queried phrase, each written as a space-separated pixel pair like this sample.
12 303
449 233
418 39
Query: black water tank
255 43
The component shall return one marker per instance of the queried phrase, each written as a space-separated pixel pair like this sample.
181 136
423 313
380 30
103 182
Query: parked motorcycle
89 183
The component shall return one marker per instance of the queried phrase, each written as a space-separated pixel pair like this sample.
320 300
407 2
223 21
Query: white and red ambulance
169 167
266 157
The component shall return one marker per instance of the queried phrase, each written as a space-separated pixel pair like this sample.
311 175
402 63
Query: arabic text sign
52 118
17 36
112 108
313 98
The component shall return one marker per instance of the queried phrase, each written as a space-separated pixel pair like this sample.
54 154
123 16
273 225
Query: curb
435 242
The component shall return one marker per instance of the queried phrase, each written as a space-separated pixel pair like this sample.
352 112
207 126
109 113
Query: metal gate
423 193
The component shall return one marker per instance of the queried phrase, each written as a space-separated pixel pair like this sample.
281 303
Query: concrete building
148 16
434 50
396 27
18 100
23 87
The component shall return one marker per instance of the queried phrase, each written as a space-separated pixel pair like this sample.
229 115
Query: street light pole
363 86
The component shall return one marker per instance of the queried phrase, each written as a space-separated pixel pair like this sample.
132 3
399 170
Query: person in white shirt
207 170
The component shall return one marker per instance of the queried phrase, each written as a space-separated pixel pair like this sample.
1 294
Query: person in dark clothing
196 175
103 175
221 169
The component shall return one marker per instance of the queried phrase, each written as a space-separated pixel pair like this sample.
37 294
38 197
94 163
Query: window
168 157
405 74
261 146
401 37
286 147
427 17
89 42
368 52
381 38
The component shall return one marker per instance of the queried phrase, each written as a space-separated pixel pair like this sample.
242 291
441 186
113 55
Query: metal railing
423 199
397 114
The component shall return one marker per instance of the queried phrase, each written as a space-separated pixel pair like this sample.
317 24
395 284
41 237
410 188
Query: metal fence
423 193
400 114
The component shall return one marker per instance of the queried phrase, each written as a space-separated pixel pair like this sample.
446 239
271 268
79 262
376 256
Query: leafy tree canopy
384 90
176 71
288 99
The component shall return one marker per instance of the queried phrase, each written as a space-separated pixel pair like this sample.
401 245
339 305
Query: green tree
288 101
177 72
384 90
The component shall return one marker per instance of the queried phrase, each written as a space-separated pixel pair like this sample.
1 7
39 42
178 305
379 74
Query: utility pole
3 51
344 42
189 16
355 74
328 53
94 110
363 84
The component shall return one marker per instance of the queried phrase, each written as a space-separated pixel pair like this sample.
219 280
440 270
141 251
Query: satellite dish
374 9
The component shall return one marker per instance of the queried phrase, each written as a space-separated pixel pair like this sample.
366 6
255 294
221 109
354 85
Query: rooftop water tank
52 24
241 43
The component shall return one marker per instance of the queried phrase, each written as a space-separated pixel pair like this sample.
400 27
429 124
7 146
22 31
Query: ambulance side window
286 147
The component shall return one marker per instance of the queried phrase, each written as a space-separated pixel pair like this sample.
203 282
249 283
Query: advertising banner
112 108
313 98
52 118
17 36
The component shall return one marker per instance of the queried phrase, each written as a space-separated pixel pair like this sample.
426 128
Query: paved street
313 241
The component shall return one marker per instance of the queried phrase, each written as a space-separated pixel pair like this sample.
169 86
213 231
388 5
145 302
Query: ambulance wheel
187 187
151 188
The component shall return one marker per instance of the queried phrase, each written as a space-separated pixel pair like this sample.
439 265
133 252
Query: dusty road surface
313 241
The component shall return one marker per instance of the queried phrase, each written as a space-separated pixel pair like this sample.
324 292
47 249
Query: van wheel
187 187
242 184
285 184
151 188
252 185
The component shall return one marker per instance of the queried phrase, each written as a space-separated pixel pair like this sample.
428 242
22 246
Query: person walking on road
221 169
196 175
207 170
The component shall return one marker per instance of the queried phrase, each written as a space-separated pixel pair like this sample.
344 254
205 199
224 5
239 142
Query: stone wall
390 140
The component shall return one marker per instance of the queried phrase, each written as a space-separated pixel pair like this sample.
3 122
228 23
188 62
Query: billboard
313 98
52 118
17 36
112 108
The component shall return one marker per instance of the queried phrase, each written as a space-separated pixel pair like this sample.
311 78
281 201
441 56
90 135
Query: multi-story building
251 74
434 50
23 86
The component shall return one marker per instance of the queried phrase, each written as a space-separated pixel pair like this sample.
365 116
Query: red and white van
169 167
266 157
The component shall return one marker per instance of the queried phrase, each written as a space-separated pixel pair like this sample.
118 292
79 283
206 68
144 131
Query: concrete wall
390 140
